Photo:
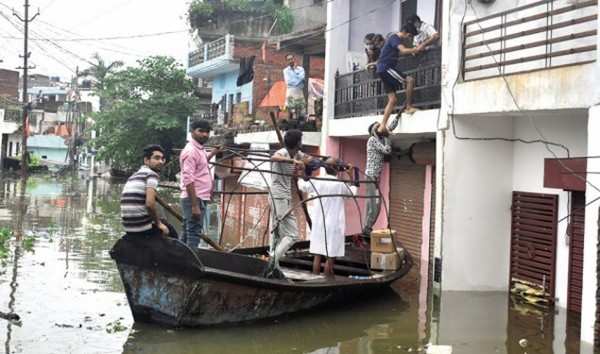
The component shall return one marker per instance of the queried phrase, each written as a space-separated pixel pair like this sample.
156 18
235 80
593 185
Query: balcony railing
217 48
541 35
361 93
13 115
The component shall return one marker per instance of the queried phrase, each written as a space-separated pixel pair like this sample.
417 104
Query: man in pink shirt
196 182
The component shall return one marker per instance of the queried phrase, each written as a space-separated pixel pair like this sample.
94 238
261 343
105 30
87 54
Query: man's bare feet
410 110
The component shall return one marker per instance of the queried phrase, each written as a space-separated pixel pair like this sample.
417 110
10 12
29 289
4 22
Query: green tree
149 104
100 72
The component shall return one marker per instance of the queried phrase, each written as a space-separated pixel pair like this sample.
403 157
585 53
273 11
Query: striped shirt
281 180
134 213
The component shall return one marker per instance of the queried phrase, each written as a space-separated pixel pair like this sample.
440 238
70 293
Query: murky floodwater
58 276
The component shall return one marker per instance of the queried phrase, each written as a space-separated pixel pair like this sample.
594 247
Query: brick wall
271 70
9 83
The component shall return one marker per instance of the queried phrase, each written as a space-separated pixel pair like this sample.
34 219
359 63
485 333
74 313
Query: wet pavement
58 276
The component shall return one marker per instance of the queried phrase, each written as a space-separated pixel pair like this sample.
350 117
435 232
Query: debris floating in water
523 342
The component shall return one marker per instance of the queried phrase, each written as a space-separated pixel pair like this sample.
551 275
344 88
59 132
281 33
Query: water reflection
63 286
69 295
375 326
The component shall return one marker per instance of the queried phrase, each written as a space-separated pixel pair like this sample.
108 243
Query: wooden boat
170 284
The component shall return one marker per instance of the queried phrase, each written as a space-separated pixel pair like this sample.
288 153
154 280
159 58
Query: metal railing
361 93
215 49
541 35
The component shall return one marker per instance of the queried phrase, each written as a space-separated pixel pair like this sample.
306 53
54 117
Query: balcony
11 120
213 58
536 36
360 93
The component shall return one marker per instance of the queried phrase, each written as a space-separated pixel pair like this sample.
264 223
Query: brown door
575 232
533 239
407 186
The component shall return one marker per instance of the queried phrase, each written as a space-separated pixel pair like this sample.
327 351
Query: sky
92 19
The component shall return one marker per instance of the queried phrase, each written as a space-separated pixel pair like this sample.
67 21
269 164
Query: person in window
373 45
427 35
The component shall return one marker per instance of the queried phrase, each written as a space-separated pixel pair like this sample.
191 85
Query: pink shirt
194 169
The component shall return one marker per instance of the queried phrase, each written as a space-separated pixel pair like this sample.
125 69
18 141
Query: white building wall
559 88
477 196
336 41
591 238
570 129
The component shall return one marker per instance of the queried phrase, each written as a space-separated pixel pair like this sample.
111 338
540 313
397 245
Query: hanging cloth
246 70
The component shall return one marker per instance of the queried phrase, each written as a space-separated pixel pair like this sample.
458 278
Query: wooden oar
299 193
176 214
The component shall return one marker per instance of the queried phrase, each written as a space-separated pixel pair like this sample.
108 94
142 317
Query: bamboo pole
177 215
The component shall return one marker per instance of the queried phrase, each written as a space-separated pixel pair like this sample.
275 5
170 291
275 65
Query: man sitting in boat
328 214
138 199
286 162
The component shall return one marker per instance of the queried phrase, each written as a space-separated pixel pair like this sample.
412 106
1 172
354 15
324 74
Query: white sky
93 19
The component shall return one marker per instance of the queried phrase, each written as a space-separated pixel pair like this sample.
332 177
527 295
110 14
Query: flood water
58 276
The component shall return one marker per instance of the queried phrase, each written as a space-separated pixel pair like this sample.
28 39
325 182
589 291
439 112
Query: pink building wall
354 151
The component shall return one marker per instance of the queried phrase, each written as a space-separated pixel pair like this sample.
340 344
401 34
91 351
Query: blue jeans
192 228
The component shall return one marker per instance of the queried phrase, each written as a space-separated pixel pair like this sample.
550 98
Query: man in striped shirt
138 199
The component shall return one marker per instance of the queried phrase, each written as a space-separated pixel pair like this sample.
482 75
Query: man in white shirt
427 35
294 77
328 214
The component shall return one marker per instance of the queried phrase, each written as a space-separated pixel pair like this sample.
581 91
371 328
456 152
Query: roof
46 141
309 42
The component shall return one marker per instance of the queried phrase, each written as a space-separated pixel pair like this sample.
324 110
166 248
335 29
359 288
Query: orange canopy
276 96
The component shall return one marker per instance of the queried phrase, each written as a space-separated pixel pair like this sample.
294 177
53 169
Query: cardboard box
382 242
385 261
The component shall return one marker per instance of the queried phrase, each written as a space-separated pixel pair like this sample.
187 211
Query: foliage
285 19
5 235
237 5
148 104
115 326
201 12
34 160
28 243
100 72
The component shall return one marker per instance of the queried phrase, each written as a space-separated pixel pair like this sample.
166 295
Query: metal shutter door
533 239
407 186
576 230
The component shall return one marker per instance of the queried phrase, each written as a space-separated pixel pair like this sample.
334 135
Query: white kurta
328 215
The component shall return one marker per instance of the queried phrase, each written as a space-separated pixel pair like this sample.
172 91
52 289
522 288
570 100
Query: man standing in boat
196 182
284 228
138 199
328 214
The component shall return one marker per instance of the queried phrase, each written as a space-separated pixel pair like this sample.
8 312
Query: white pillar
588 305
336 47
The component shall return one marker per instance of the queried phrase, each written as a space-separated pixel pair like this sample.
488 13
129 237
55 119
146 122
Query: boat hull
169 284
170 300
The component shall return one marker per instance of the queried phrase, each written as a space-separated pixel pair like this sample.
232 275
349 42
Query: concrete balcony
10 120
212 59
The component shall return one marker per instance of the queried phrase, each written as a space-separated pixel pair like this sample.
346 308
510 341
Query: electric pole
26 107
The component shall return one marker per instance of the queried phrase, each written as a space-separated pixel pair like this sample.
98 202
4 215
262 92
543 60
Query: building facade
494 181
